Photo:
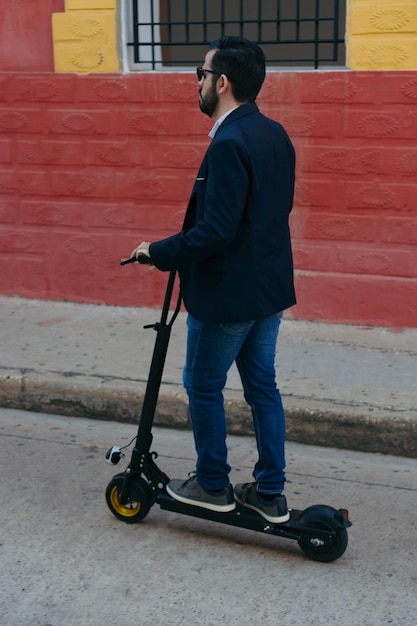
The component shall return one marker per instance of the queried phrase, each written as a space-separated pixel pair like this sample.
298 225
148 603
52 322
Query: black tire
322 518
139 502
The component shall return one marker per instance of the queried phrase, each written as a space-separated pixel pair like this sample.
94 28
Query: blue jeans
211 351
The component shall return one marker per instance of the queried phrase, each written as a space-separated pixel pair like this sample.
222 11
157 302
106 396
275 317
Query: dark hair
243 62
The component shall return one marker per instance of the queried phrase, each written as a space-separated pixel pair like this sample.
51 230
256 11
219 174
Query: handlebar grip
142 259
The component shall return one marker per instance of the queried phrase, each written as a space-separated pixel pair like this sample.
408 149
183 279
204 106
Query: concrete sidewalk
67 561
345 386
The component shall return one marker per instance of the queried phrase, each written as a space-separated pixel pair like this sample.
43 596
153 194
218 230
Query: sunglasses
202 72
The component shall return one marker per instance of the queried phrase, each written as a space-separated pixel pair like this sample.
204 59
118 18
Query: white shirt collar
219 122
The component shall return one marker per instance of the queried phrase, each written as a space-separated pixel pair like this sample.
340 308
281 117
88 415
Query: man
236 273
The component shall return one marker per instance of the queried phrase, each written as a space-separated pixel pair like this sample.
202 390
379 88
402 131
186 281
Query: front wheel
139 499
316 548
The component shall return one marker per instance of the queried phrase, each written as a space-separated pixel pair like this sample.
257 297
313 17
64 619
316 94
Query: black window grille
170 33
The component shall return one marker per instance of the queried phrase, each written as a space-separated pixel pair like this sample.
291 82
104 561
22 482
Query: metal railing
172 33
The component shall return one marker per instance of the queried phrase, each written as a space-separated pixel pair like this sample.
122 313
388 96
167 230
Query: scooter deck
244 518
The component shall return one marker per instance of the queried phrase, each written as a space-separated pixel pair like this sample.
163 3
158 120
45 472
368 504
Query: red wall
91 165
26 34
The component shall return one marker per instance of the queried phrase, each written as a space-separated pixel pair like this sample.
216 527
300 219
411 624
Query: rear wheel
138 503
318 548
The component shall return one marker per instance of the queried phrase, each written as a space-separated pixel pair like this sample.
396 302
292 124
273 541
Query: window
175 33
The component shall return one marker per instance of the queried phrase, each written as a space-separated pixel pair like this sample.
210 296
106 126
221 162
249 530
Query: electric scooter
320 530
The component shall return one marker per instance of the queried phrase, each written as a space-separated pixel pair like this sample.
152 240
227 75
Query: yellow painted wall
381 35
85 37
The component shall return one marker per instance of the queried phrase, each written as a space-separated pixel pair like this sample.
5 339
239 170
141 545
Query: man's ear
223 84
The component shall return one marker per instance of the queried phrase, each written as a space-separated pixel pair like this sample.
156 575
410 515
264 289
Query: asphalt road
67 561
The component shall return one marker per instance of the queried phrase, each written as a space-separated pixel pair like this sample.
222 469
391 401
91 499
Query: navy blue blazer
234 252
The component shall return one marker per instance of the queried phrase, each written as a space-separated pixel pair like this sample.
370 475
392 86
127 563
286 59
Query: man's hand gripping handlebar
139 254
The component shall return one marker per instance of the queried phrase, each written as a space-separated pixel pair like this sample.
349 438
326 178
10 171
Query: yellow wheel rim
130 509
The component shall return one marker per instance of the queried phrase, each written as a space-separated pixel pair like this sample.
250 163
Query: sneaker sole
269 518
219 508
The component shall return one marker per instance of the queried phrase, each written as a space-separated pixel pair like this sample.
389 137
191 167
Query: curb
308 422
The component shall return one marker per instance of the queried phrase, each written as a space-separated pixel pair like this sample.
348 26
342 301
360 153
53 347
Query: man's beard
209 103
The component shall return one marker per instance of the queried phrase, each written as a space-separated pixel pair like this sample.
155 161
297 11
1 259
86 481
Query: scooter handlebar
143 259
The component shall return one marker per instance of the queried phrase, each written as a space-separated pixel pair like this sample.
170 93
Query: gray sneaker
190 492
274 511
